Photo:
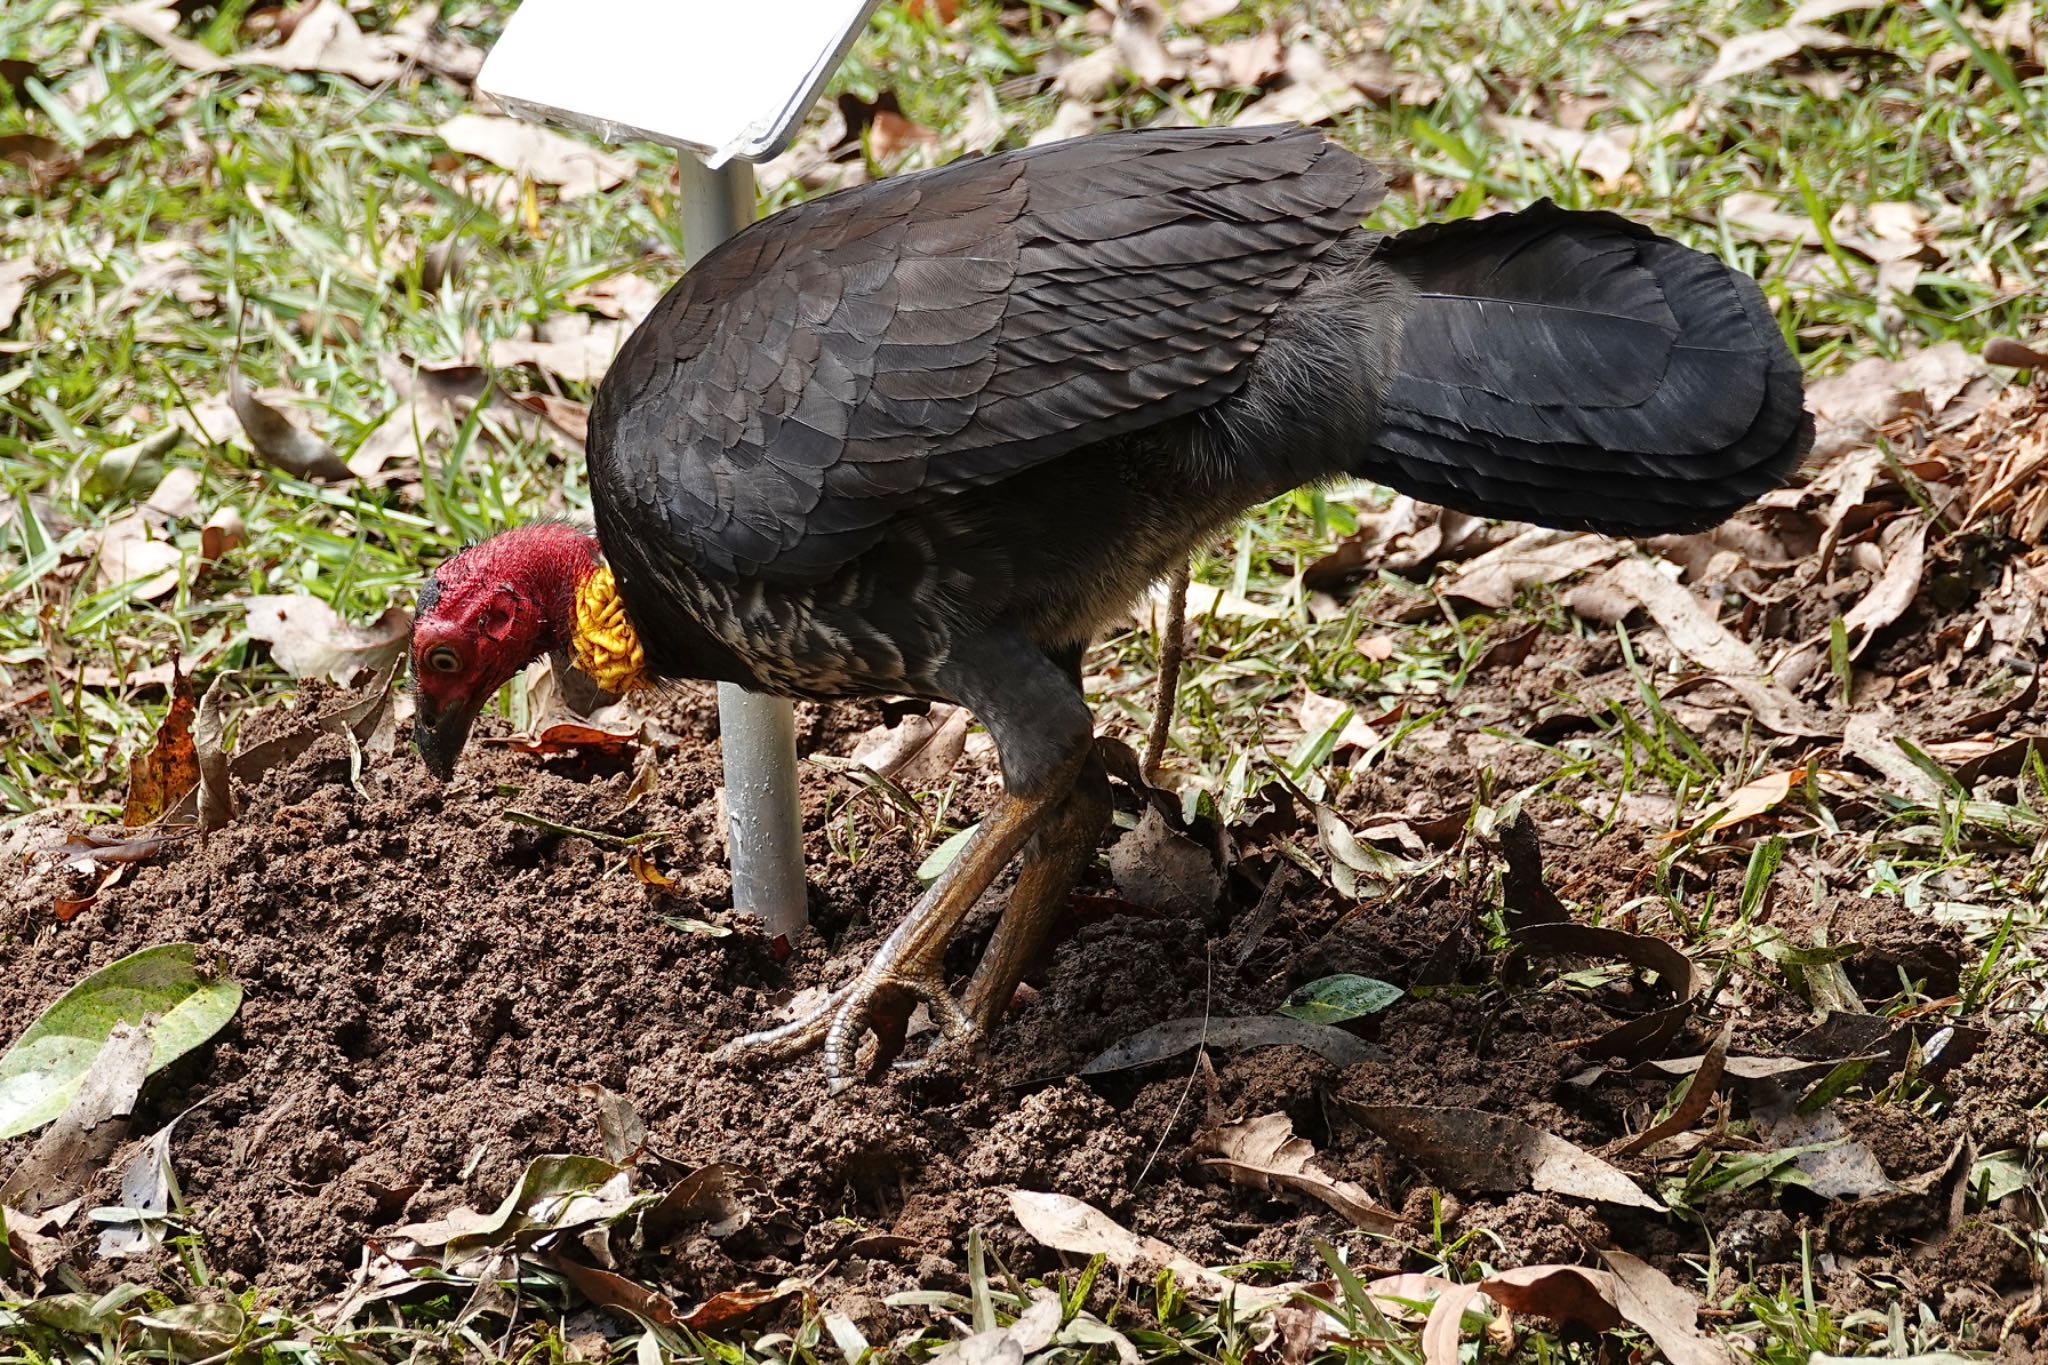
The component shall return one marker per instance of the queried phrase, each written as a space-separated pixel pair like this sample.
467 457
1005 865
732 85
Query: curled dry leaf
170 767
146 1187
1066 1224
1606 155
571 347
209 738
222 533
1535 557
1266 1154
618 742
309 639
1668 1314
15 278
1472 1150
280 443
1757 797
1699 1093
538 154
1905 561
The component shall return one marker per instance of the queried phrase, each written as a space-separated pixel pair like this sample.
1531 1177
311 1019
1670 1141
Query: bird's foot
878 1001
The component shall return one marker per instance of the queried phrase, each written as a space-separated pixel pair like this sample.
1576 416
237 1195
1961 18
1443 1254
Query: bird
930 436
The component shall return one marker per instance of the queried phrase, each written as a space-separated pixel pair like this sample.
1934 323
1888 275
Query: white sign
718 79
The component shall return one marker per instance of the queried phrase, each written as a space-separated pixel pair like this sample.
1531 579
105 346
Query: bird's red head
484 615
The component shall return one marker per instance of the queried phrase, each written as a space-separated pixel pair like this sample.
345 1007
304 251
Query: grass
295 224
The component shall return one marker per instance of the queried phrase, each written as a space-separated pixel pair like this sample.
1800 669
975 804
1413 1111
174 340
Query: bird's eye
442 659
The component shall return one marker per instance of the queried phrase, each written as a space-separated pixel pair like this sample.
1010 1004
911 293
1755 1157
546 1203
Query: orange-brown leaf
159 779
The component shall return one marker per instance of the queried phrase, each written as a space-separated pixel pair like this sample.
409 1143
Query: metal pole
764 832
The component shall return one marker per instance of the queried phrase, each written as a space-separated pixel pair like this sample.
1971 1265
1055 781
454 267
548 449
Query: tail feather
1577 370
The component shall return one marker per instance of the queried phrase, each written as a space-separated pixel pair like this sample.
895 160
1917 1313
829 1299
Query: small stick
1172 648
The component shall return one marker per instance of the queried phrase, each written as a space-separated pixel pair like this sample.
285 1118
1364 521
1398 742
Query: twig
1172 648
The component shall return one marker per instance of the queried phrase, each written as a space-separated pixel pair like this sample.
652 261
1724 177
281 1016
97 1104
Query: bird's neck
561 571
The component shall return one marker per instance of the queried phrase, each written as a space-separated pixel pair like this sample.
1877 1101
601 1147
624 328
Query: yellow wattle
606 646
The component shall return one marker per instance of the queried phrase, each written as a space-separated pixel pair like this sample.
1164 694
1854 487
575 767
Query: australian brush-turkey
930 435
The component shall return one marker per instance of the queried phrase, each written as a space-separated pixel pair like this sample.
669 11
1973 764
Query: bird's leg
1044 735
1052 863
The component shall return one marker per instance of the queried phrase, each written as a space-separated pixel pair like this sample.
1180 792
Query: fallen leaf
553 1194
325 38
1699 1093
1135 35
1031 1332
1315 92
1157 868
536 153
278 442
94 1121
209 740
1606 155
919 752
1535 557
1905 560
1176 1036
161 776
1316 714
221 534
1667 1313
619 1128
1336 999
1473 1150
1747 52
570 346
1759 796
1836 1166
129 558
1997 351
1265 1154
1445 1326
1241 64
309 639
1563 1293
162 990
1066 1224
1875 390
15 278
157 20
147 1186
577 737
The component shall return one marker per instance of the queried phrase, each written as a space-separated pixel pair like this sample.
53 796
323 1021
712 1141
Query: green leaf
939 859
1334 999
189 1004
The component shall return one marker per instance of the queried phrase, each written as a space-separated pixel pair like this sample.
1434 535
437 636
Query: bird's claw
876 1002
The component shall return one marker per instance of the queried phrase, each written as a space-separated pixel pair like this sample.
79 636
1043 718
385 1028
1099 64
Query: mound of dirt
432 987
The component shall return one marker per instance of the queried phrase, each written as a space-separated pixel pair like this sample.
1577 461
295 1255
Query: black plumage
928 435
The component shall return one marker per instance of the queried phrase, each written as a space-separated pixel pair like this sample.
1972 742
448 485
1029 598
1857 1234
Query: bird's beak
440 738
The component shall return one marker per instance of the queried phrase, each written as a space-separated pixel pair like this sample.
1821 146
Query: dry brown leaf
222 533
1159 869
1875 390
1562 1293
1698 1095
15 278
1759 796
157 20
279 442
1242 63
1871 737
1066 1224
1316 713
1815 11
309 639
577 737
919 752
1470 1149
538 154
65 1158
325 38
1536 556
160 777
1265 1154
1195 12
1670 1315
1747 52
1445 1328
1606 155
1316 92
1136 37
570 346
1175 1036
1905 560
128 556
209 739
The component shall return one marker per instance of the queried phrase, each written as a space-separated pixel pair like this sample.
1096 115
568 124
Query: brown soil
430 988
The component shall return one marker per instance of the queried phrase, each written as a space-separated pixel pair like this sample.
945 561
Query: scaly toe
784 1041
